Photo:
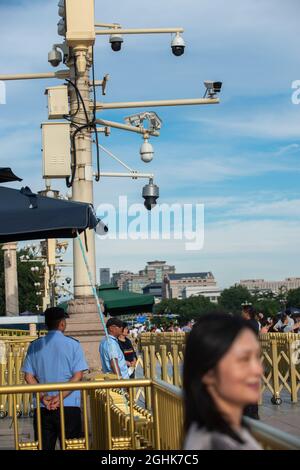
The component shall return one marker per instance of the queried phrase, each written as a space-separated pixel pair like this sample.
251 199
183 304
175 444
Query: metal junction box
58 103
56 149
80 18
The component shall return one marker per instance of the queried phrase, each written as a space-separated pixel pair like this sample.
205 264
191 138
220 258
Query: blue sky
239 158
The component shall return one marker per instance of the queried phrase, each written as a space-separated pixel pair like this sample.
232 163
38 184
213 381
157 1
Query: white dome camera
54 57
178 45
116 42
146 151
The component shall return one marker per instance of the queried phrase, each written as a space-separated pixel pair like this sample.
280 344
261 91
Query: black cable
94 118
69 182
77 96
89 124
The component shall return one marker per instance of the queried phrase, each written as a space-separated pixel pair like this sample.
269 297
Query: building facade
154 271
175 284
274 286
104 276
212 293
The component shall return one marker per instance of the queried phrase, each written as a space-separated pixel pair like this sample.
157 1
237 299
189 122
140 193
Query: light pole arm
61 74
152 104
133 175
125 127
103 32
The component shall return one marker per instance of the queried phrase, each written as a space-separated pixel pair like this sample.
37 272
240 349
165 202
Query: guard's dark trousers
51 425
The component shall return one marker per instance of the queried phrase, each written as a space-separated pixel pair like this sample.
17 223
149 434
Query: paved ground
285 417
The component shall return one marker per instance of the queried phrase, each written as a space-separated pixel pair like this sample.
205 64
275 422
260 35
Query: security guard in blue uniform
56 358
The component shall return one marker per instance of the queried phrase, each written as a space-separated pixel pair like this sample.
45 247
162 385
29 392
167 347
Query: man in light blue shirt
50 359
111 355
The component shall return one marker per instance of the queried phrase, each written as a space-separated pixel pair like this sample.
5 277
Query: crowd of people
221 375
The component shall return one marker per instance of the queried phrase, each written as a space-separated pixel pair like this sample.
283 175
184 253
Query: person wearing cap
285 323
111 355
56 358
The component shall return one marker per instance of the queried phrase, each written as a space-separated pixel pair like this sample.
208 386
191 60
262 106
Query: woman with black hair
222 374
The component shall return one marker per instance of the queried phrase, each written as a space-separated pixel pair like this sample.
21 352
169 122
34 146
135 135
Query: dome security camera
116 42
178 45
146 151
54 57
68 280
150 194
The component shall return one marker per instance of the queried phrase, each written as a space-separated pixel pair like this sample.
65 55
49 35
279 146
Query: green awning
118 302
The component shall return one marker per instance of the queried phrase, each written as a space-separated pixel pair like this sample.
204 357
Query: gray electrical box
56 149
58 103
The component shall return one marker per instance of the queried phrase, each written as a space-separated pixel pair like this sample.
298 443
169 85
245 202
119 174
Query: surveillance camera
61 27
61 259
61 8
54 57
146 151
68 280
150 194
116 42
178 45
212 88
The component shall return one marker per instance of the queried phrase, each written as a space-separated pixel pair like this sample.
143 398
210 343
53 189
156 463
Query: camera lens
116 46
178 50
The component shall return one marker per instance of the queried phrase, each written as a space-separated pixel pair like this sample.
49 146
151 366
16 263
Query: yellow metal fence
112 421
164 362
162 357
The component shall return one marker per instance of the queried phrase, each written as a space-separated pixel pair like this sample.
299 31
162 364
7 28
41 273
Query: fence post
176 381
147 374
294 396
164 362
276 398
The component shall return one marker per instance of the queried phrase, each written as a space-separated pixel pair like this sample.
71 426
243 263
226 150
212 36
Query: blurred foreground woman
222 374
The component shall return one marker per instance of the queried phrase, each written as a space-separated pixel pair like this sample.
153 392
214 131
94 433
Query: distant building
154 271
118 279
274 286
104 276
212 292
174 284
155 289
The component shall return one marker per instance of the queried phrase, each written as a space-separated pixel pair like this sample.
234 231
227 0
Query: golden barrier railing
12 354
8 332
165 362
118 424
162 357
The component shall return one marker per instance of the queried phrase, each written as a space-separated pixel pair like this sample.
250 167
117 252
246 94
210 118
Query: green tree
186 309
269 307
232 298
26 279
293 298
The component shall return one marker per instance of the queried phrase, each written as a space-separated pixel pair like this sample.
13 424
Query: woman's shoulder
203 439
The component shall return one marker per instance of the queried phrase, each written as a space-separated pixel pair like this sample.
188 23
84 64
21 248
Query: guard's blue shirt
55 358
110 349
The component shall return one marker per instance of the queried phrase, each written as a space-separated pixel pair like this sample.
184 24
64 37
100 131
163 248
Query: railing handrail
68 386
279 439
276 437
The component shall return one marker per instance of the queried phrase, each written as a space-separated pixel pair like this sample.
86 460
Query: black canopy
28 216
6 175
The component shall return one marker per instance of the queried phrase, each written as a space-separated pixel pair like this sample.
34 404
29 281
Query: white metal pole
103 32
82 189
155 103
11 279
61 74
